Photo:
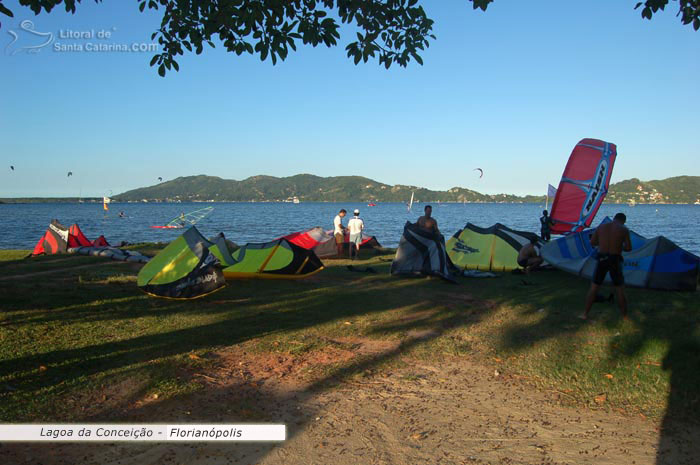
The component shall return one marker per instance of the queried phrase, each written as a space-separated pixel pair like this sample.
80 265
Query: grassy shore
78 340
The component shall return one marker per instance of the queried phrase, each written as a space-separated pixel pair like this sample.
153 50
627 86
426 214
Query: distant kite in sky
480 171
12 167
70 173
159 178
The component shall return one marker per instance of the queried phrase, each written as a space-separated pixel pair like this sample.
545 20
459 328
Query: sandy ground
458 412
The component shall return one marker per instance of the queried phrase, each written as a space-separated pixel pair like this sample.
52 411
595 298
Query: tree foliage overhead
390 31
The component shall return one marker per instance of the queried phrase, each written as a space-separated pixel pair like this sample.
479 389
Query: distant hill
679 189
307 187
310 188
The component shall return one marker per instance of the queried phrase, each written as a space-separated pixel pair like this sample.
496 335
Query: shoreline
74 200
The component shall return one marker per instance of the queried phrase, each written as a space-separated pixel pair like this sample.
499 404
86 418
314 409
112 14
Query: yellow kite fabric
487 249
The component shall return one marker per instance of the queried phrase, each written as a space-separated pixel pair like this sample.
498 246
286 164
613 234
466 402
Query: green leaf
142 7
154 59
417 58
161 70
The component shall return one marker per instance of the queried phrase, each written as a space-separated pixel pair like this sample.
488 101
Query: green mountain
307 187
679 189
310 188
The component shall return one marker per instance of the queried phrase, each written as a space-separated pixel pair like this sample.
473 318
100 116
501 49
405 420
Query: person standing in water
339 231
427 222
546 223
355 225
611 239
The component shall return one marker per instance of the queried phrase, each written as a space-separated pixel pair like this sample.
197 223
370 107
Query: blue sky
510 90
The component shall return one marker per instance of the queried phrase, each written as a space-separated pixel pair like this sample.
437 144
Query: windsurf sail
187 219
410 203
551 192
583 185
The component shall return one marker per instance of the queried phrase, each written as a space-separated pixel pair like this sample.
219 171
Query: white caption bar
141 432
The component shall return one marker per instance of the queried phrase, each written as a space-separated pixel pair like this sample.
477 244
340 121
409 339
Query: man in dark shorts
546 223
611 238
528 257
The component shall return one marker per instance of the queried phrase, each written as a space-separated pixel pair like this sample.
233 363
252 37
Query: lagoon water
23 224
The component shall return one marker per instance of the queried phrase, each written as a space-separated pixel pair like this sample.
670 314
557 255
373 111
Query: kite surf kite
583 185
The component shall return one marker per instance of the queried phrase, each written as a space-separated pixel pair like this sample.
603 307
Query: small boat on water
295 200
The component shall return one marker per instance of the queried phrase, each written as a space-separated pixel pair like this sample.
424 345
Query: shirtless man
611 238
528 257
427 223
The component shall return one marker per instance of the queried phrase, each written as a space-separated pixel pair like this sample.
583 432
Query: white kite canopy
189 219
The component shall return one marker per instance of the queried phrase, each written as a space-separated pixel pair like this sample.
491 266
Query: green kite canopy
278 259
487 249
186 269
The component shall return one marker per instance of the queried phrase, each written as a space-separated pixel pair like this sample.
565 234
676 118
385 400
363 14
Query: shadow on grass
242 402
244 311
265 309
251 310
663 330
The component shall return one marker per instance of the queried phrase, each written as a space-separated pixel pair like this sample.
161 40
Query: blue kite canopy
656 263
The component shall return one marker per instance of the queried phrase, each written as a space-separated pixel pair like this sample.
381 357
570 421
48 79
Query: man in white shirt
355 225
339 231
